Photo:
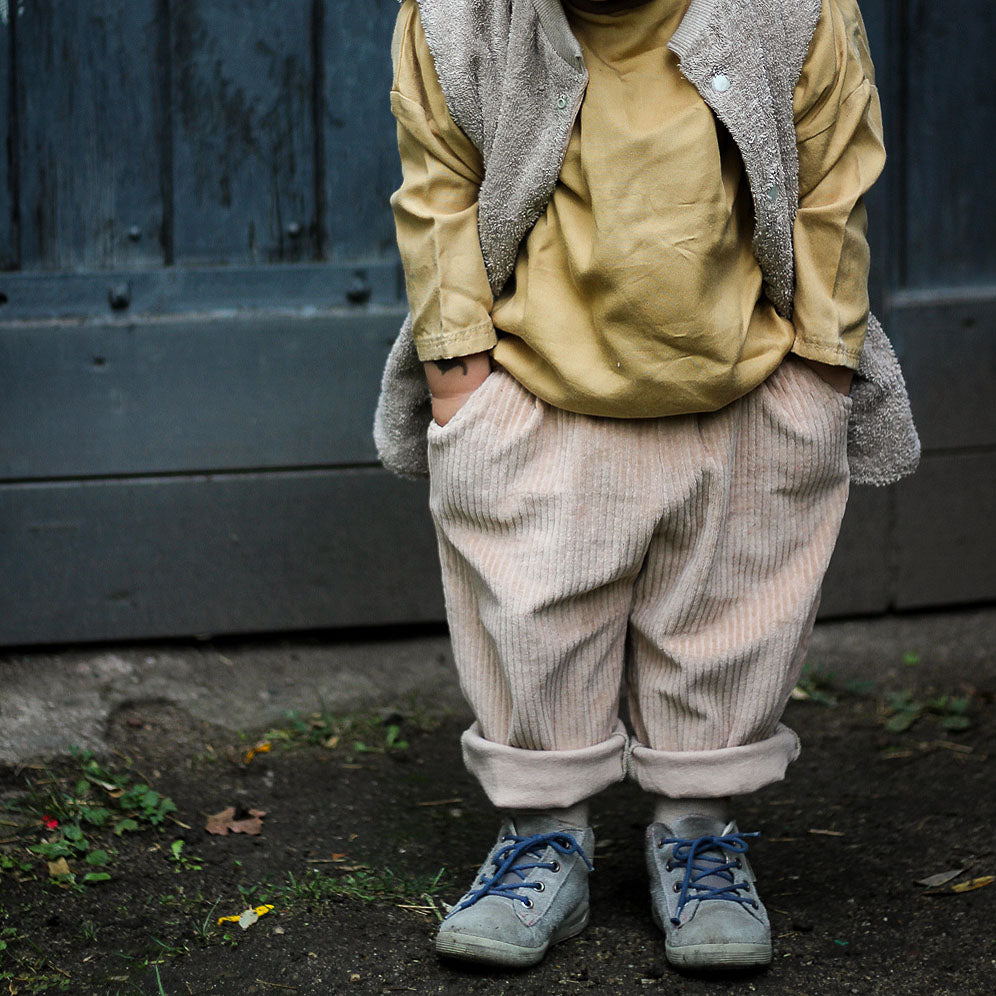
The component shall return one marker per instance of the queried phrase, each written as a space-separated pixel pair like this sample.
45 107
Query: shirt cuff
445 345
837 354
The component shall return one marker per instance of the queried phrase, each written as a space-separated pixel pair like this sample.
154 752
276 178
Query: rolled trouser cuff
514 778
715 773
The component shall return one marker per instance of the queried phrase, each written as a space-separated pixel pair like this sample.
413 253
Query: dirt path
864 815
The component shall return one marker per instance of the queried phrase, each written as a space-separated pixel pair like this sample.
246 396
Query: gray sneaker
531 892
704 897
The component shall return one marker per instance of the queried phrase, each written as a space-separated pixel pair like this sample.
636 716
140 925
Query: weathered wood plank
303 287
859 581
8 145
275 552
244 183
951 118
113 560
881 201
201 394
89 151
129 559
361 153
944 535
947 345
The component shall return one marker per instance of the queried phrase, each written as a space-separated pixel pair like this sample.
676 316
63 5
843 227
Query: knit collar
606 6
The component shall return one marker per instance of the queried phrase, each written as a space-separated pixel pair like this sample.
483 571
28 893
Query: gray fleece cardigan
514 77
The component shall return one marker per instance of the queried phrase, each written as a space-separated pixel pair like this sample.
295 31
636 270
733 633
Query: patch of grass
60 816
368 885
23 965
203 928
316 888
354 733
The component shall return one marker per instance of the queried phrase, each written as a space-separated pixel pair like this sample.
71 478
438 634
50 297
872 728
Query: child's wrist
453 381
839 378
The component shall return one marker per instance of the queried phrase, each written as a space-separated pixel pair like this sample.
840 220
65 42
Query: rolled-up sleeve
841 154
435 209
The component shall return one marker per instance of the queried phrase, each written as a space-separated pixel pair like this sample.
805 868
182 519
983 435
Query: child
634 246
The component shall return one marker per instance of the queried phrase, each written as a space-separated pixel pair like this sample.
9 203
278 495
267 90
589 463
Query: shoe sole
719 956
488 951
730 955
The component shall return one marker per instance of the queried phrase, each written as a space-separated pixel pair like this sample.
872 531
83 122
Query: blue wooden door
199 288
198 285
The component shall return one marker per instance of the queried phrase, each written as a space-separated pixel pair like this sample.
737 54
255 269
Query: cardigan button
721 82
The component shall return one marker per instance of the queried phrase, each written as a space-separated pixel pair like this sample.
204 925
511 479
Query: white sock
545 820
666 809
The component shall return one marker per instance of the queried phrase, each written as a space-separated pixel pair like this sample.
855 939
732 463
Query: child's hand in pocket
839 378
453 381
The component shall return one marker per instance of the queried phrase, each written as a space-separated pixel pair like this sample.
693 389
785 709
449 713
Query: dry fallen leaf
975 883
264 747
58 867
228 821
941 878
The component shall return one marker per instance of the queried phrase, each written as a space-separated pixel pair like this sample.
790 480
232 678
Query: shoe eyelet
556 867
740 864
669 866
529 904
754 904
539 887
677 887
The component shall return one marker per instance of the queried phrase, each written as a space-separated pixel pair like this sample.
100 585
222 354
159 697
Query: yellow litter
973 884
248 917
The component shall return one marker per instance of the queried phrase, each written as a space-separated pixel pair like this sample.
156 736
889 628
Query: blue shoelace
507 862
706 857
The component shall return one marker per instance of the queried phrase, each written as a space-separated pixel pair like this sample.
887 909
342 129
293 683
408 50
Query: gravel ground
353 838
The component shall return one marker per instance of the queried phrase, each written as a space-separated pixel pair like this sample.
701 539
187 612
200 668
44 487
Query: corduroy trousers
683 555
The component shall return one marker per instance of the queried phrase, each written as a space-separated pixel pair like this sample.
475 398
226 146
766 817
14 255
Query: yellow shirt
636 293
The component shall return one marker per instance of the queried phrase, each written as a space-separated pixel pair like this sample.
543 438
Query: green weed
816 685
360 733
203 930
182 861
69 810
903 709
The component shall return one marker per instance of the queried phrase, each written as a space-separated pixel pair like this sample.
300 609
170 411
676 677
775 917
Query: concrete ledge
51 701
